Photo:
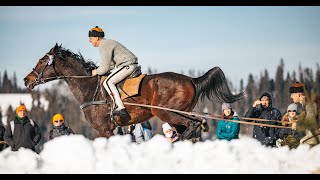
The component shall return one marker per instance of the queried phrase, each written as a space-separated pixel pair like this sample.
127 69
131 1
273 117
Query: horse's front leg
187 134
106 134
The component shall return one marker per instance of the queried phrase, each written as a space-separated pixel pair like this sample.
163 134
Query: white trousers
117 75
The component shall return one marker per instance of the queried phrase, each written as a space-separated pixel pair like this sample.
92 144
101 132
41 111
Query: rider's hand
94 72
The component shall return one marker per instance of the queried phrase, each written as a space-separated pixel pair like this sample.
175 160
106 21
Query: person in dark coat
262 109
22 131
59 128
2 142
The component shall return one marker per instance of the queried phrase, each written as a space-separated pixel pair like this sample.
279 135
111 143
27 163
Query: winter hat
165 127
57 117
226 106
292 107
296 87
22 107
96 32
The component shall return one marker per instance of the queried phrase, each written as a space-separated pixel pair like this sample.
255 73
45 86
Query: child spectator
169 132
288 136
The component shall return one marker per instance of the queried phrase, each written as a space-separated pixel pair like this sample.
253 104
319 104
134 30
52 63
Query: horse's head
44 71
56 64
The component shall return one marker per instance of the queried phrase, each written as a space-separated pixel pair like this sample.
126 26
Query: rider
117 59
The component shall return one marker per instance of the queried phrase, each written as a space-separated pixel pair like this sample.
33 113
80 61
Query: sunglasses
292 111
58 121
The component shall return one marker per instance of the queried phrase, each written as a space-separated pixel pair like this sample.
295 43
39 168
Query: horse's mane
66 53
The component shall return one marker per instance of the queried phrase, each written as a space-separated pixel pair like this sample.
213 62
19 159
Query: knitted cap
57 117
292 107
22 107
226 106
96 32
296 87
165 127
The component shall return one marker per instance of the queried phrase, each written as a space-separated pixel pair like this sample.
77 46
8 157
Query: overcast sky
241 40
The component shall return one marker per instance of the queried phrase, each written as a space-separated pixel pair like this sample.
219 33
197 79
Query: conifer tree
279 85
317 80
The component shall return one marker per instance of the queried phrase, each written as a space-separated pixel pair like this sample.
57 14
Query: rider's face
94 41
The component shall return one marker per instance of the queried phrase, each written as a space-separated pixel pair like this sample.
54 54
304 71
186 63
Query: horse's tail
213 85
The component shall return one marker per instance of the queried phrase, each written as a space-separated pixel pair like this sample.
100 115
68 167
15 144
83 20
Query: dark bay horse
169 90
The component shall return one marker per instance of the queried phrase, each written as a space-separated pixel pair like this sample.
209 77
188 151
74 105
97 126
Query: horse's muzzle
29 84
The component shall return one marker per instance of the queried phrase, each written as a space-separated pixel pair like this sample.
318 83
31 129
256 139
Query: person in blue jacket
226 129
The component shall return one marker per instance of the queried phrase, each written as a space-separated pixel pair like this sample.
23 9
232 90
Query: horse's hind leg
190 123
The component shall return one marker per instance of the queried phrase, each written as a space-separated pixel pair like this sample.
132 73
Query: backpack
12 125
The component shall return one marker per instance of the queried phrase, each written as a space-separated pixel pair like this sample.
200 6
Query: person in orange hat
59 128
22 131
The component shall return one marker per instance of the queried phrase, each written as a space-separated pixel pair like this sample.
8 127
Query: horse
167 89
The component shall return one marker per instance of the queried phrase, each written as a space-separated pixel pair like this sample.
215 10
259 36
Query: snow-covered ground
77 154
15 99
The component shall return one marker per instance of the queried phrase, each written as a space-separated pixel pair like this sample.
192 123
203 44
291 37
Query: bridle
40 80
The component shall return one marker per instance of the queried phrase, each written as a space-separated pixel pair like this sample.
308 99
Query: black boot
122 113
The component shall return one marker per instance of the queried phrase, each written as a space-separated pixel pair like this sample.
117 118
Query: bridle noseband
39 79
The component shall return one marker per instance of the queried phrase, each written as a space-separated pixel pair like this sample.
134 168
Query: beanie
22 107
165 127
292 107
96 32
226 106
57 117
296 87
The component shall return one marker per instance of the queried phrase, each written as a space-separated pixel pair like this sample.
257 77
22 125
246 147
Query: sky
239 39
117 155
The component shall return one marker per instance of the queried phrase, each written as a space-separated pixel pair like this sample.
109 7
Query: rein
209 117
40 80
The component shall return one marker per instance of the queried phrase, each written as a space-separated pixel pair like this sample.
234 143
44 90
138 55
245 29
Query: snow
77 154
15 99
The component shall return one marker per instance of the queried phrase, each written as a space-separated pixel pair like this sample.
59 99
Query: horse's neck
83 89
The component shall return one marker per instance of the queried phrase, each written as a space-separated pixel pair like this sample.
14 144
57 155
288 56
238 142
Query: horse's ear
56 47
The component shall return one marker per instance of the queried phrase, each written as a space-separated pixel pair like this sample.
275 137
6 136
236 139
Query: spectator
262 108
289 136
2 142
170 133
307 120
141 132
59 128
226 129
22 131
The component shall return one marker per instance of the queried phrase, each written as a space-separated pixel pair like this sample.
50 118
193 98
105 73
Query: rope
205 116
250 119
62 77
